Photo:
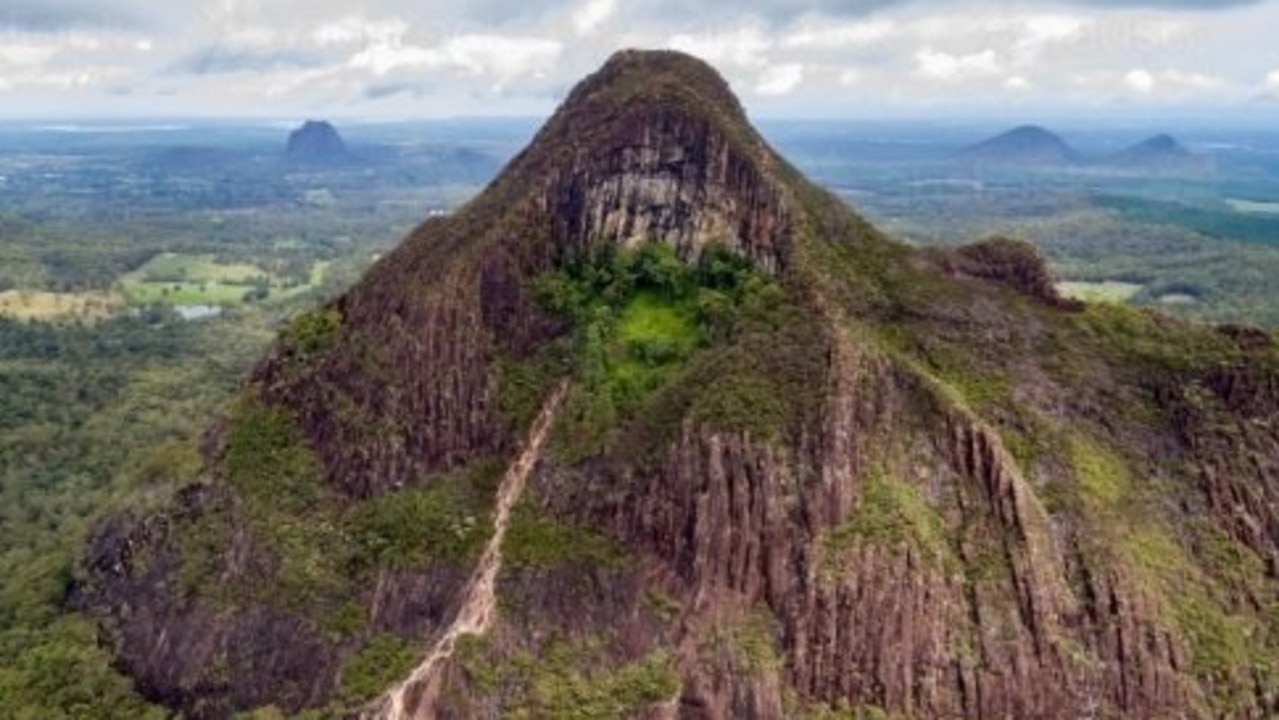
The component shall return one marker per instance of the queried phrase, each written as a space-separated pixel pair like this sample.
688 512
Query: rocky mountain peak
316 141
655 147
645 78
655 428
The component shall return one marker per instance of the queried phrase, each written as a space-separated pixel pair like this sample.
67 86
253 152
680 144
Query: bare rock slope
800 471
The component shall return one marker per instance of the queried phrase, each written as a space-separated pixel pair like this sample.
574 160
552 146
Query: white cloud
590 16
1198 82
27 54
825 34
945 66
353 29
1141 81
501 57
317 54
253 36
780 79
1175 84
1017 83
1040 29
1039 33
66 63
850 77
1161 32
286 82
744 47
382 58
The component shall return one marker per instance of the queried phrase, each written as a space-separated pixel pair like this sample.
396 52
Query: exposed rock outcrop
904 482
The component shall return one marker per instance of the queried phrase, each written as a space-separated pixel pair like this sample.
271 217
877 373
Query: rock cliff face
877 482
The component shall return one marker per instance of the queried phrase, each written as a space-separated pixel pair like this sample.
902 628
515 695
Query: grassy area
168 279
153 293
1110 291
181 279
650 318
178 267
654 333
41 305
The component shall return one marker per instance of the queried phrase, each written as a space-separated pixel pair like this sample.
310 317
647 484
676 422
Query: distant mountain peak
1159 151
1025 144
316 141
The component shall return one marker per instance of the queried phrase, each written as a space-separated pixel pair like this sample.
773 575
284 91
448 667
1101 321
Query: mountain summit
1161 152
654 427
1024 145
316 141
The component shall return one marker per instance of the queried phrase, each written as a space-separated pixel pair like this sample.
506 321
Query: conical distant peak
1030 144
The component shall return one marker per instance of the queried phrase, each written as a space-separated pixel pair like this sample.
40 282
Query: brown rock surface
982 502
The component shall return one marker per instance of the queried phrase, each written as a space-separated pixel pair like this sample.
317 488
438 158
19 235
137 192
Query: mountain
654 427
1024 145
316 142
1160 152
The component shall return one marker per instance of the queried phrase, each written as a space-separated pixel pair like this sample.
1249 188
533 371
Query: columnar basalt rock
971 498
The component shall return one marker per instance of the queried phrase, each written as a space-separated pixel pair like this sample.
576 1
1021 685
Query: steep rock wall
662 176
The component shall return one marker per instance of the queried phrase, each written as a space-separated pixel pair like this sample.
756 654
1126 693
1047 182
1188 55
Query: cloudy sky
429 58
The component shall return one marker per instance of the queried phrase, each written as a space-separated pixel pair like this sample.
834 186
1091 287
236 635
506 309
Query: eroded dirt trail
412 698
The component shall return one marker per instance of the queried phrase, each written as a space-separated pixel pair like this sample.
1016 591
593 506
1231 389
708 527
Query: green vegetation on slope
323 548
568 680
385 660
1229 649
91 417
446 520
890 513
534 541
644 321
